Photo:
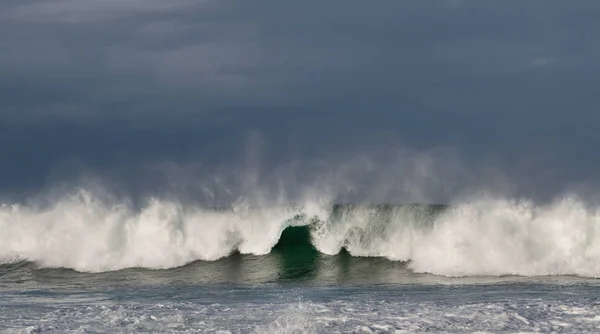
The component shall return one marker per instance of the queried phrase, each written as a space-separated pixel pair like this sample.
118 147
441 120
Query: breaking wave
483 237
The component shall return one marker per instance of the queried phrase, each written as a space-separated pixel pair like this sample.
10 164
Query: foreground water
37 300
493 265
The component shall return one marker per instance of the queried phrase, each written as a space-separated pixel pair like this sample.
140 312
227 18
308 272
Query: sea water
492 265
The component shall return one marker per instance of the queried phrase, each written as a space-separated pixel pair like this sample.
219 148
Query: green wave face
298 257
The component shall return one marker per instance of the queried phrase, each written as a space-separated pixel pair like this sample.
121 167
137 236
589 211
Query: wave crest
483 237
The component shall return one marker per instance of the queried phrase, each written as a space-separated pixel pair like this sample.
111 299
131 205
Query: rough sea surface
84 266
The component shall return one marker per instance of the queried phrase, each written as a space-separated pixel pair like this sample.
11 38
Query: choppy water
138 301
82 265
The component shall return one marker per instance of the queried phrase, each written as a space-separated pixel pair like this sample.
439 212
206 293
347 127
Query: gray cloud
114 85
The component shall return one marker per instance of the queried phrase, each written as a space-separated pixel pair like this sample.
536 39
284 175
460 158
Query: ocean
82 265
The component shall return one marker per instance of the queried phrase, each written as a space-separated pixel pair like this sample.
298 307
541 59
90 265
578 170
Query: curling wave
483 237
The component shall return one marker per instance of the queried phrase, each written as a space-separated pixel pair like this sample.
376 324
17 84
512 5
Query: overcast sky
153 94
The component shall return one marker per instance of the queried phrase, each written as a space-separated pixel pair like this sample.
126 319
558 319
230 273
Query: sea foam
488 236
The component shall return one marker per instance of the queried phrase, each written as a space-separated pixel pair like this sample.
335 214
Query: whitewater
88 263
483 237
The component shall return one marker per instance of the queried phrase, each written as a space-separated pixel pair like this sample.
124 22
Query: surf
485 237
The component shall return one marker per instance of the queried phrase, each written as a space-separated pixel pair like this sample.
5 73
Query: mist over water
356 247
365 237
485 230
389 238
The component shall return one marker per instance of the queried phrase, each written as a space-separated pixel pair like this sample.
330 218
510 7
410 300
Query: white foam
363 315
504 237
483 237
83 233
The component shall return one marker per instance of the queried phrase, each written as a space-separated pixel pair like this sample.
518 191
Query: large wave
489 236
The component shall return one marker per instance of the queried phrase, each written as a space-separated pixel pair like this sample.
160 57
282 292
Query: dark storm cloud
109 85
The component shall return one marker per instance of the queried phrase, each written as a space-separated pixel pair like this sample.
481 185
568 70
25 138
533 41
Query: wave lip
488 237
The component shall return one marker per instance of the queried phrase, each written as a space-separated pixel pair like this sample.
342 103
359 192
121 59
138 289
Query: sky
393 100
